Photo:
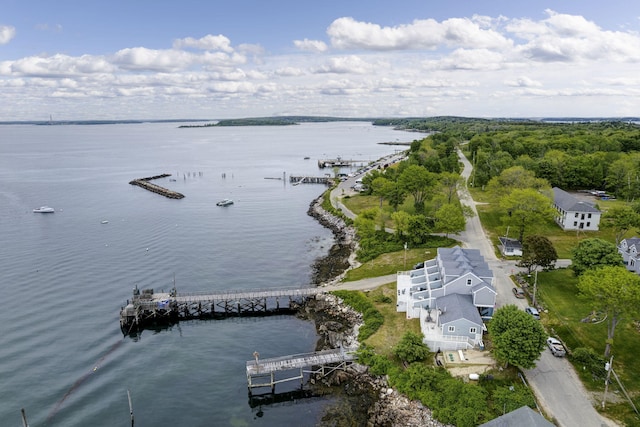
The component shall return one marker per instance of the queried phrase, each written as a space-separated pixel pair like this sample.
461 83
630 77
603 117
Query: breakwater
154 188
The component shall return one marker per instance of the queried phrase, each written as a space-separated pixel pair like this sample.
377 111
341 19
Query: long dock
262 372
148 308
154 188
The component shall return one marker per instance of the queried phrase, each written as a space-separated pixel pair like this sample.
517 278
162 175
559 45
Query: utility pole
130 407
607 367
535 287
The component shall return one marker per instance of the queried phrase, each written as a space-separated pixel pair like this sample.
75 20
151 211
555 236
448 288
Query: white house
574 214
451 295
510 247
629 249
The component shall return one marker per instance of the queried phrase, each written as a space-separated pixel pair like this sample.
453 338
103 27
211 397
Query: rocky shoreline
362 399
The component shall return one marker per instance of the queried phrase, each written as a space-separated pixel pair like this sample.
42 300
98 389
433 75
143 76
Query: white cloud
208 42
6 33
523 81
346 65
311 45
347 33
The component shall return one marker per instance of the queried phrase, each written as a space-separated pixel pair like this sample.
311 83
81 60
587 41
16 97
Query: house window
468 282
588 224
451 329
575 223
576 214
589 216
473 330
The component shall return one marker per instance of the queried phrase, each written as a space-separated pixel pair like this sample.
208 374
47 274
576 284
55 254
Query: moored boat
225 202
44 209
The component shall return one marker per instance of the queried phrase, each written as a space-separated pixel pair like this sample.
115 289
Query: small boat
225 202
44 209
104 222
307 157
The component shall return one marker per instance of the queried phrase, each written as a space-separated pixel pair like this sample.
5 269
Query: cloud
208 42
346 65
347 33
523 81
311 45
6 33
57 66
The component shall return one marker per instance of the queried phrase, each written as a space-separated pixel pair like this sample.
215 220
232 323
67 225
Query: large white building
630 251
574 214
451 295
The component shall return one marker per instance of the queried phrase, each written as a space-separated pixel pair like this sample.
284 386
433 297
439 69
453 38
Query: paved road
554 381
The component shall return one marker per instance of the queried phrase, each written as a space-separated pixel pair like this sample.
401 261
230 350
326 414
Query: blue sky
145 59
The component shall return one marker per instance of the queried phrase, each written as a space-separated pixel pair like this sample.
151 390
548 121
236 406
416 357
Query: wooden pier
296 180
148 308
154 188
262 372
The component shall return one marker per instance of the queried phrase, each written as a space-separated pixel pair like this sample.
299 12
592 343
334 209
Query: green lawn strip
391 263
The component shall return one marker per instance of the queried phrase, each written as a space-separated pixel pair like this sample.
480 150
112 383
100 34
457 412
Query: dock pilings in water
156 309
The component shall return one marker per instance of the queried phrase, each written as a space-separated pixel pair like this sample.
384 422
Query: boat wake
82 379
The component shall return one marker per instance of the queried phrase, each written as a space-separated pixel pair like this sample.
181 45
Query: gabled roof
632 241
457 262
570 204
482 285
509 242
455 306
523 416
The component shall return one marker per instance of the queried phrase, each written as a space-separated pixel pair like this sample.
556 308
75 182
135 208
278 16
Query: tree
450 182
411 348
621 219
614 291
518 339
515 177
525 207
419 228
537 251
592 253
401 222
450 219
418 182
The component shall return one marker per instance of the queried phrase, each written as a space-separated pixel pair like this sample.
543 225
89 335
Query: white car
556 347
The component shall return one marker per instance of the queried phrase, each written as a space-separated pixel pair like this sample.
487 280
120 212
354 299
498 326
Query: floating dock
148 308
154 188
263 372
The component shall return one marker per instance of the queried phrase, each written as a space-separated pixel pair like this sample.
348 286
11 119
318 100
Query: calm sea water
66 275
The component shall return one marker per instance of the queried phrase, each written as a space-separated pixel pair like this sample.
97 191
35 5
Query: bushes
372 318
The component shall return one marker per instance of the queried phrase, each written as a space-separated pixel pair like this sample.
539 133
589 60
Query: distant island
276 121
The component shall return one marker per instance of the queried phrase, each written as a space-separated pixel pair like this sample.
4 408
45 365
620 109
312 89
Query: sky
212 59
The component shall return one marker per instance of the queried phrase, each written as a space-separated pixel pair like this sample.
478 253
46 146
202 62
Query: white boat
44 209
225 202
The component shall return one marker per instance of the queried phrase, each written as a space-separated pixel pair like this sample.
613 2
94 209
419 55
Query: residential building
574 214
510 247
629 249
452 295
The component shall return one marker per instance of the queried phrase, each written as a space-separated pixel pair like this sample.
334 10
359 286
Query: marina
340 162
326 180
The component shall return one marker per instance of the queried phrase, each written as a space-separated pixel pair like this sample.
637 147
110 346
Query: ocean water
65 275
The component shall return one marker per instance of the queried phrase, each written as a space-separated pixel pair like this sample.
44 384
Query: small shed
510 247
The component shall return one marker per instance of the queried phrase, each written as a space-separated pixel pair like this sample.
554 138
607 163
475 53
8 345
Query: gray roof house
510 246
523 416
574 214
451 294
630 251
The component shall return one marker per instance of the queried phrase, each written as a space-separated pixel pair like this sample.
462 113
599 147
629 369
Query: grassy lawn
390 263
563 241
395 324
558 293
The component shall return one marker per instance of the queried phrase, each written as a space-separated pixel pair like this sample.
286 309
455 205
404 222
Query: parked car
519 293
533 312
556 347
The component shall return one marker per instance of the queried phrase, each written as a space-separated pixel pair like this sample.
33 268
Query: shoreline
361 396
